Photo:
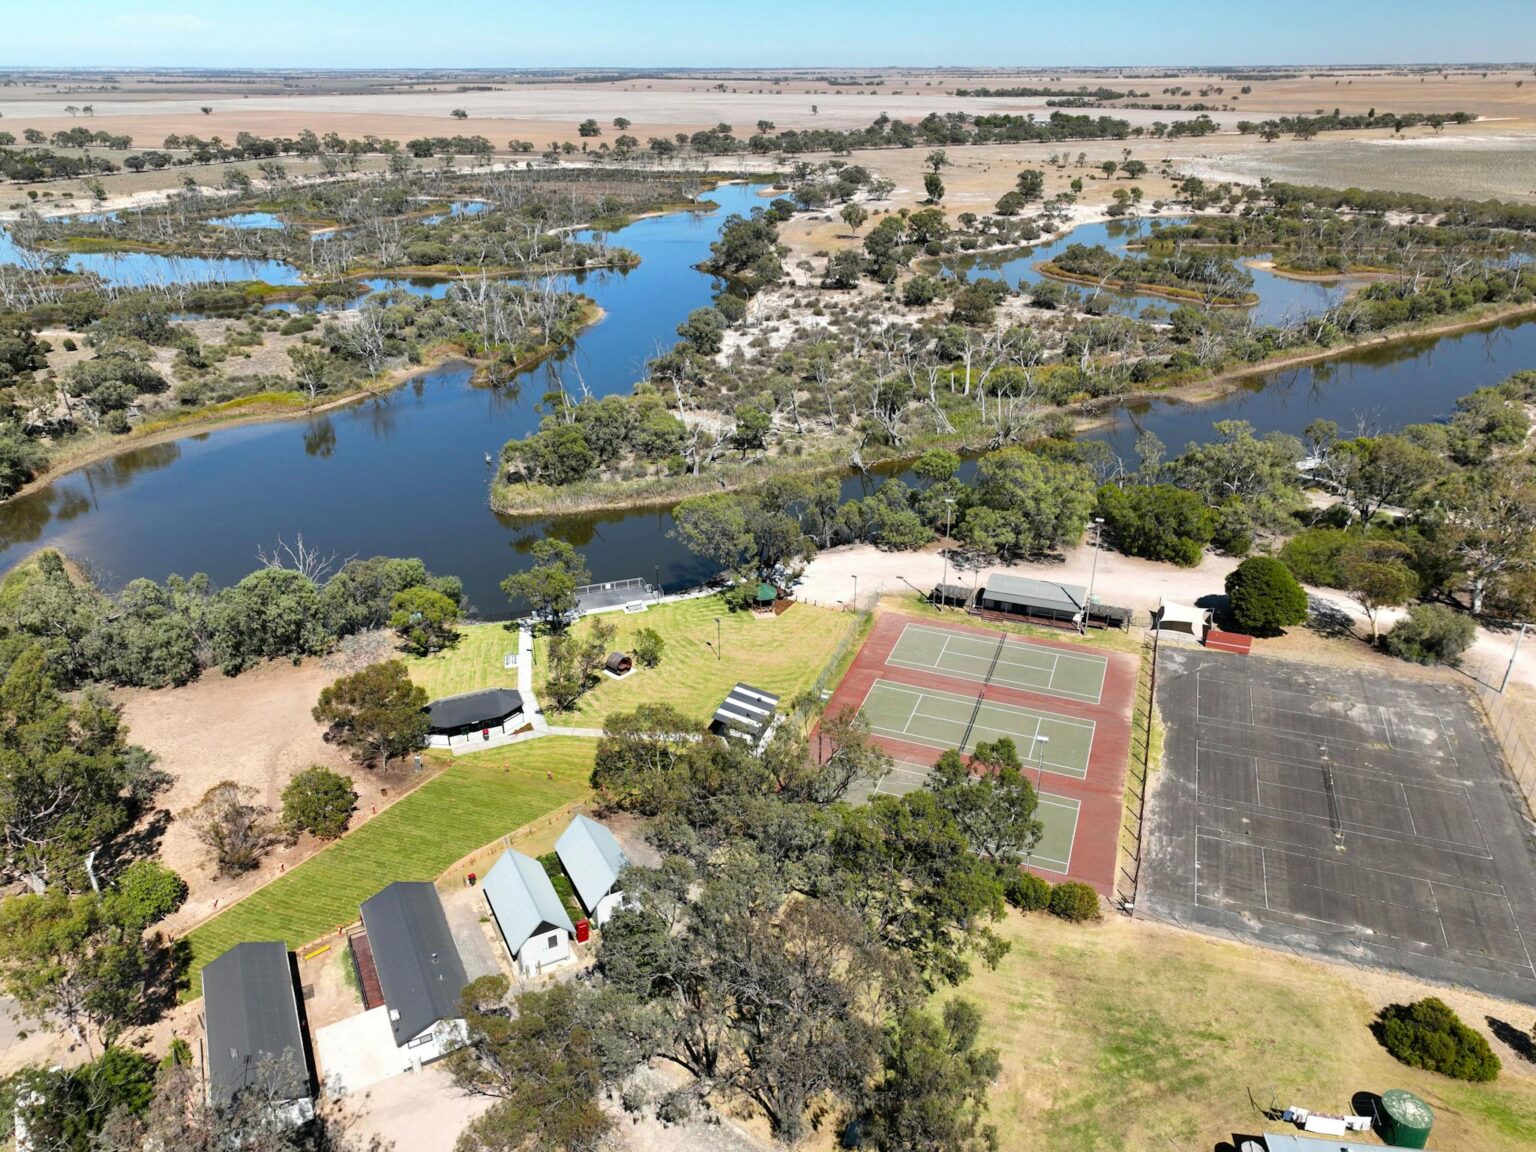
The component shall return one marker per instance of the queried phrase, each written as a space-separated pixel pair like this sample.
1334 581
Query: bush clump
1075 901
1432 634
1265 597
1028 892
318 801
1427 1034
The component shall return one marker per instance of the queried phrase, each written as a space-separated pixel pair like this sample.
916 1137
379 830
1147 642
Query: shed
251 1014
1181 619
1289 1142
619 664
747 714
593 860
951 595
458 719
419 969
528 912
1037 599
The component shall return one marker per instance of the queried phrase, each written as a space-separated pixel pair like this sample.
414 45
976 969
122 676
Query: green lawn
475 662
471 803
1135 1035
780 654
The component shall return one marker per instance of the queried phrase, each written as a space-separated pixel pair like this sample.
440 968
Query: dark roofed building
251 1013
458 719
747 713
951 595
419 969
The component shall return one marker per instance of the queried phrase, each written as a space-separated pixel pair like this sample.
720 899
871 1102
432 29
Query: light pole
1098 535
1515 651
1041 742
949 508
855 591
657 585
719 651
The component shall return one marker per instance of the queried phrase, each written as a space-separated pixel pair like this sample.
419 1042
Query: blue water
458 208
148 269
1280 299
406 475
257 220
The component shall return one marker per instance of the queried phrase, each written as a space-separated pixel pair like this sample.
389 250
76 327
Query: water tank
1405 1119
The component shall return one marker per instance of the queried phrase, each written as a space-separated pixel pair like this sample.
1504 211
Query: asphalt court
1341 811
1012 662
1057 744
1057 814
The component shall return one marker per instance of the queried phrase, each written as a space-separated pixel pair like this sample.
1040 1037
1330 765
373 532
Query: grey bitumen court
1348 814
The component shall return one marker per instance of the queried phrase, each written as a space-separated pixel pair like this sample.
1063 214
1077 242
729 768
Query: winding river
406 475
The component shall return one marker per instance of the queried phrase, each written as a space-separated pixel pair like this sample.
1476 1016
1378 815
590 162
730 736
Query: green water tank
1405 1119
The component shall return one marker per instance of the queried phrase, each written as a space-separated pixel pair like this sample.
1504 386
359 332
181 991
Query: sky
763 33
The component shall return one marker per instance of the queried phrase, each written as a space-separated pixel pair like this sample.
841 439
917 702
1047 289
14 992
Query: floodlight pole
855 591
719 652
1513 653
1093 574
949 509
1040 742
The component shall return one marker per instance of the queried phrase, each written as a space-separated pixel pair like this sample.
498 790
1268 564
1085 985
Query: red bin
583 931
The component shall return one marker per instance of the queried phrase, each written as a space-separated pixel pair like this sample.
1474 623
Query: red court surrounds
1100 794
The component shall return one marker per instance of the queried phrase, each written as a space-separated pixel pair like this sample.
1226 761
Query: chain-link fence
1513 719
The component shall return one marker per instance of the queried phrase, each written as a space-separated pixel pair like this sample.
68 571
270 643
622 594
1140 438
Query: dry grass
780 654
1135 1035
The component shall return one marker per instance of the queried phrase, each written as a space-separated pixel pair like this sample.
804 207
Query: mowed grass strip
472 802
1135 1035
475 662
779 654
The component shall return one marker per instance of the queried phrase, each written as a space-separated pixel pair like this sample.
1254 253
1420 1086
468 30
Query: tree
571 665
1025 506
1265 597
1031 184
936 159
68 1110
1428 1034
854 215
648 646
589 128
1383 470
69 782
1494 524
68 963
425 620
1376 575
845 756
273 612
318 801
622 123
1133 169
1432 634
233 826
752 428
549 586
990 800
645 758
377 712
933 184
743 531
1157 522
544 1063
145 893
932 1092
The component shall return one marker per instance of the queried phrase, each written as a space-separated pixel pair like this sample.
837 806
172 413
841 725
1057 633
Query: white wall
539 952
437 1041
606 907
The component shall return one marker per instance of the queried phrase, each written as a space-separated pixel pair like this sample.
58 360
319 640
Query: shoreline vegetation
543 501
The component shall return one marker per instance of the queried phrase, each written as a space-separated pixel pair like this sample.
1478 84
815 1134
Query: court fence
1138 776
1512 720
834 661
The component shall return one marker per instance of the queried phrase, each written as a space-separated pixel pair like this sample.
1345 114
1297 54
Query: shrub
1265 596
1075 901
1157 522
320 801
1312 556
1028 892
147 891
649 645
1432 634
1427 1034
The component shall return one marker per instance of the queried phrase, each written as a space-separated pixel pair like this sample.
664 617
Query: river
406 475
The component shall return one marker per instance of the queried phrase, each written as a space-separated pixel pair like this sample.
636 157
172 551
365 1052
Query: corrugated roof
523 898
592 859
1288 1142
1031 593
747 708
418 965
252 1014
474 708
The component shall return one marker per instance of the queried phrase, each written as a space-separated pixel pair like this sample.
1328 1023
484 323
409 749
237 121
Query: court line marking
1014 646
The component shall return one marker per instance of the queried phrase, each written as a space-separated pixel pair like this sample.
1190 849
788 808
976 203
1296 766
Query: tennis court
1057 814
1007 660
934 719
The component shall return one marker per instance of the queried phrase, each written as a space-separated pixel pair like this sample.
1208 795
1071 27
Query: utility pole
719 650
1513 653
949 509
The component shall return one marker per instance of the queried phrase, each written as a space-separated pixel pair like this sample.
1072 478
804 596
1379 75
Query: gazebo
1181 619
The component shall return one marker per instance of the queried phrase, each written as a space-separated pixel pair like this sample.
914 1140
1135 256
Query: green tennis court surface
944 720
1057 814
1020 664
